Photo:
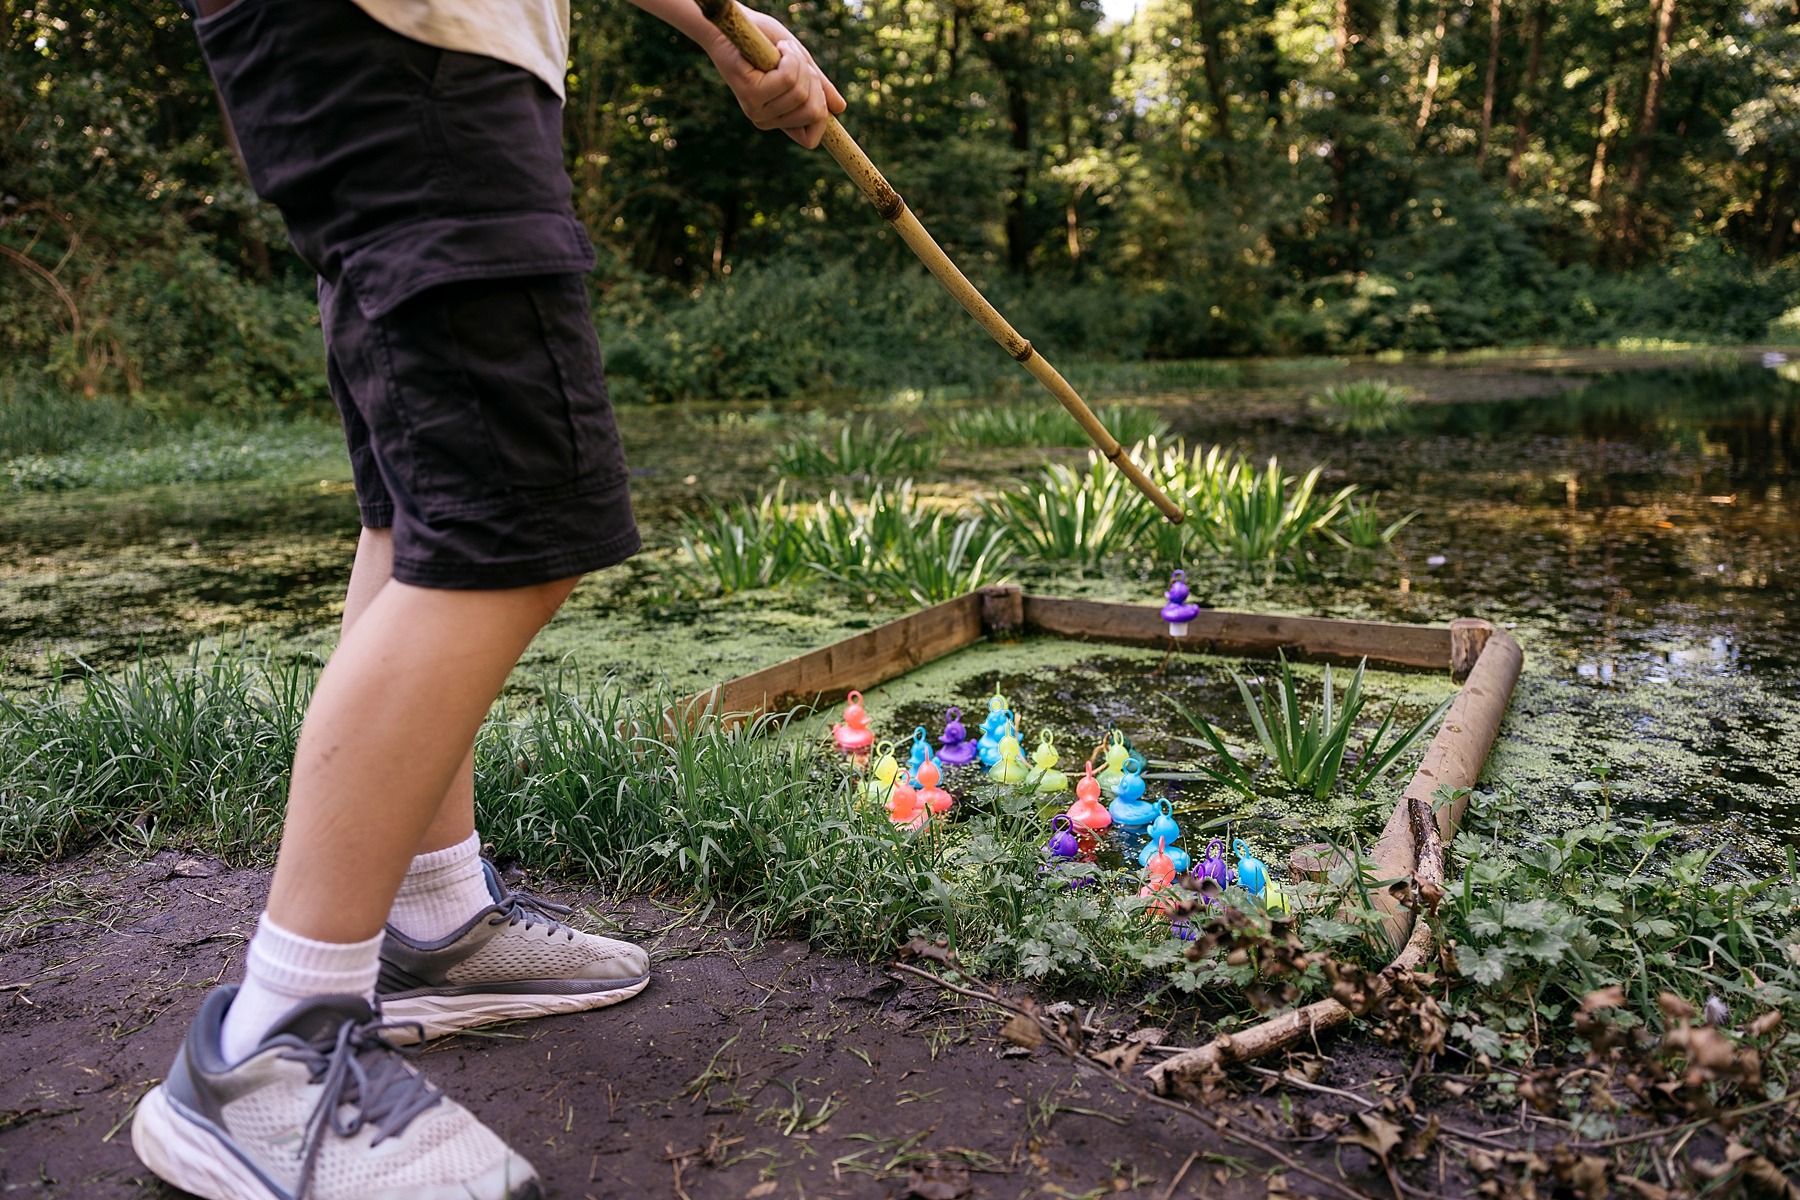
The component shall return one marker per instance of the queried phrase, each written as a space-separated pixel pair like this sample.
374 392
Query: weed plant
743 546
1362 405
889 544
861 452
1308 746
1045 424
1073 516
1268 516
1359 526
1539 926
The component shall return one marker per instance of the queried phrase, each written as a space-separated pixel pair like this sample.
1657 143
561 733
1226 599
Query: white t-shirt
533 34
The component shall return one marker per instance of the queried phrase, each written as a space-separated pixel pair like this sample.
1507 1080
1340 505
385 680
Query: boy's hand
794 97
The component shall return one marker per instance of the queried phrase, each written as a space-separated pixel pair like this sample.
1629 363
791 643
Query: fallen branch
1054 1037
1454 761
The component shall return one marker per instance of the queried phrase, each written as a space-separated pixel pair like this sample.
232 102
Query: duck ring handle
760 53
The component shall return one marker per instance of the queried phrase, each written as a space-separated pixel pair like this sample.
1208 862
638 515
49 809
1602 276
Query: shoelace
532 910
383 1091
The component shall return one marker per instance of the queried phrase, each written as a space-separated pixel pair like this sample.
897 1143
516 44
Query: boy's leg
460 949
374 567
389 727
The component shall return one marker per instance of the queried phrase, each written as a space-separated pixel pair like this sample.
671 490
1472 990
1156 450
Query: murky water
1638 531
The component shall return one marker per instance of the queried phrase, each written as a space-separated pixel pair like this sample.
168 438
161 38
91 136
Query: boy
414 149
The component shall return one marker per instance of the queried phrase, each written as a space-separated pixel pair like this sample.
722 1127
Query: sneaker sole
187 1154
445 1015
182 1152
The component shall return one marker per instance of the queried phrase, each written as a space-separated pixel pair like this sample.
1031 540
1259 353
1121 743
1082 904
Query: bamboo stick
761 54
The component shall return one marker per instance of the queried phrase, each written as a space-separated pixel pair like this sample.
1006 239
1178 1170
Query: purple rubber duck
1178 612
955 748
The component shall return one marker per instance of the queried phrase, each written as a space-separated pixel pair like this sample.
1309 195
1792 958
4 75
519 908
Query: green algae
1635 531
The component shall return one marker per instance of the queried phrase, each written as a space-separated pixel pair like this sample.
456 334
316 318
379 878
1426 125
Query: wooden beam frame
1486 660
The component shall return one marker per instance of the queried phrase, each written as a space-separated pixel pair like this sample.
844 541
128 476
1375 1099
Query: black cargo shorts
426 188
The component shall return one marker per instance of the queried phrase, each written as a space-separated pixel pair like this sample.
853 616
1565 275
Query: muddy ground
743 1071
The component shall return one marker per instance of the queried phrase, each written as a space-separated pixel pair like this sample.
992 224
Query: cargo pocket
389 268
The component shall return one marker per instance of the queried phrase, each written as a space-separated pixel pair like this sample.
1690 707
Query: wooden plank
1260 635
861 661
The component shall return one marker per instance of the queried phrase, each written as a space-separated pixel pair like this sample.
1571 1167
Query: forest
1210 178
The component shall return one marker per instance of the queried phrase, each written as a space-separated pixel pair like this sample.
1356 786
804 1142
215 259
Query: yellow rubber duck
879 784
1114 768
1011 766
1047 778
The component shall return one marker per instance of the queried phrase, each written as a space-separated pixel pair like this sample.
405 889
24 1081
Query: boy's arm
795 96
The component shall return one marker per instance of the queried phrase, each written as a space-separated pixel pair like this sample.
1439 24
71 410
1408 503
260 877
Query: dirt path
741 1072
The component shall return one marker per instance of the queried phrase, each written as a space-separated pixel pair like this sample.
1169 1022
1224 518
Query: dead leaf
1763 1180
1764 1025
938 1180
1377 1135
1119 1058
1643 1188
766 1188
1021 1030
1606 997
1419 1142
1674 1007
1278 1186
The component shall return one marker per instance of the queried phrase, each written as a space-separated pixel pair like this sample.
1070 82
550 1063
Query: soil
746 1069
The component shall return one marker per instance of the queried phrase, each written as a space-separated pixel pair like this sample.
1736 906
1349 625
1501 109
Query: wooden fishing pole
760 53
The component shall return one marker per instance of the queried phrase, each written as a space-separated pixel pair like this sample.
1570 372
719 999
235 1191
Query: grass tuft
1362 405
1043 424
859 452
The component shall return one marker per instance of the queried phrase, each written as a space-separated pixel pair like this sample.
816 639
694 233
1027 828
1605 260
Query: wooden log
862 661
1416 834
1214 631
1467 637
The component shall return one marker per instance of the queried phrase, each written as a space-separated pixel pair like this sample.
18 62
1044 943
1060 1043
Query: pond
1636 529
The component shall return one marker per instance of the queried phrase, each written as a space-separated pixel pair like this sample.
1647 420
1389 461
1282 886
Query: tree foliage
1213 177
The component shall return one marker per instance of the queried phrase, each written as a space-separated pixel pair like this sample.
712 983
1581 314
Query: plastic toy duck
996 726
1046 777
955 748
1159 889
1113 769
931 795
921 748
1178 611
998 703
1252 875
1275 899
1087 813
1130 810
854 735
904 807
1213 866
879 784
1165 832
1062 844
1009 765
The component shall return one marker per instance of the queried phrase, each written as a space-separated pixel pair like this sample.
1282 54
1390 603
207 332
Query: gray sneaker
516 958
324 1108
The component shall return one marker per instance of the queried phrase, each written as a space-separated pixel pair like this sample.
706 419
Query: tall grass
1268 516
888 543
858 451
1074 516
1362 405
1045 424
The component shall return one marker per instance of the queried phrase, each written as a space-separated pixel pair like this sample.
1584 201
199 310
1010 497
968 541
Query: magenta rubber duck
1178 611
955 748
931 795
854 736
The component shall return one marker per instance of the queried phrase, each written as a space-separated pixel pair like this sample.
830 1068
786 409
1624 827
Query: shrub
1361 405
858 452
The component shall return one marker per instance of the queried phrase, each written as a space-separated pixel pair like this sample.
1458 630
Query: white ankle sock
441 891
281 970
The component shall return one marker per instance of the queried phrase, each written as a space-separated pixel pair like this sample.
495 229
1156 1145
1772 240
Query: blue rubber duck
1130 811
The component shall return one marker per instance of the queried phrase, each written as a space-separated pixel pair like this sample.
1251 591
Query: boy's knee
546 598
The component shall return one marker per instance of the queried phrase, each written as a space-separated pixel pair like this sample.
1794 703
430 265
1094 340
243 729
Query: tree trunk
1212 53
1018 115
1663 13
1782 214
1527 100
1432 68
1271 78
1609 126
1489 88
